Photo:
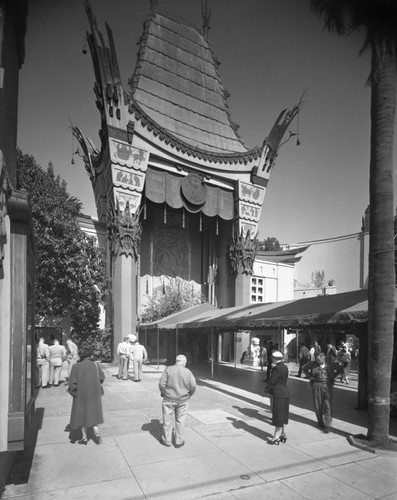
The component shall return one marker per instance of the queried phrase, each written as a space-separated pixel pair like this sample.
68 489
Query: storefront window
257 290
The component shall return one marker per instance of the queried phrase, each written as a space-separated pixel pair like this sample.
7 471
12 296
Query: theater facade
177 192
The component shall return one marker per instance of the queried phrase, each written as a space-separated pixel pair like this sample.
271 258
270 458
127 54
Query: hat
85 352
131 337
277 354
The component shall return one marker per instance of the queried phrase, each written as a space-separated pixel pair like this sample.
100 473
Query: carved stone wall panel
122 153
249 207
171 248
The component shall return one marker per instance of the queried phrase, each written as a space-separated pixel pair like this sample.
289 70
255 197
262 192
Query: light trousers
43 369
55 371
138 368
123 366
71 362
174 414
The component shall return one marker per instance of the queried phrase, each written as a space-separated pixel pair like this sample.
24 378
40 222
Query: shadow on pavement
154 427
22 466
240 424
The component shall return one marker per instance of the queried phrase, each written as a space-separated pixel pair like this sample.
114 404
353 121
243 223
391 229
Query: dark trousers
322 399
302 363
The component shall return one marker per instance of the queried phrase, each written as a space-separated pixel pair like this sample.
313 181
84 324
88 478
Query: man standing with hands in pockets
177 384
139 354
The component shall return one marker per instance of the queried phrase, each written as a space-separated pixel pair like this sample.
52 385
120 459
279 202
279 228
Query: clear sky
271 51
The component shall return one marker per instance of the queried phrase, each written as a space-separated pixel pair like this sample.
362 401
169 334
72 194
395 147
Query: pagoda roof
177 90
288 256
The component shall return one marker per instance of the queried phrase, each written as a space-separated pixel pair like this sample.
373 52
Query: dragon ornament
124 232
242 253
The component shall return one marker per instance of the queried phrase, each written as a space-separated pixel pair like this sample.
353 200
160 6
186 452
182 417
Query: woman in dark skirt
85 385
277 387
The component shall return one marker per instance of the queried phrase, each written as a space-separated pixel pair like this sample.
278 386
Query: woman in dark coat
85 382
277 386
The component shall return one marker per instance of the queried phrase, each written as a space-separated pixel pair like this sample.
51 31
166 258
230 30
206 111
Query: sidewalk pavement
226 455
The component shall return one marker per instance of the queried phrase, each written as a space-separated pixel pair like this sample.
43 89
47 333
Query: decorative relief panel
122 197
124 154
128 167
250 193
249 206
127 178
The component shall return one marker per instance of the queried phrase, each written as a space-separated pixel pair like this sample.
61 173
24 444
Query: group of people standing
50 359
177 384
85 384
340 355
322 369
131 351
84 380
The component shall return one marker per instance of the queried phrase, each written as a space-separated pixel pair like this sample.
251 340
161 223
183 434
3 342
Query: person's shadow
154 427
253 413
240 424
74 434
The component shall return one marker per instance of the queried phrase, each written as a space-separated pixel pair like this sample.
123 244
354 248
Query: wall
13 15
344 259
278 280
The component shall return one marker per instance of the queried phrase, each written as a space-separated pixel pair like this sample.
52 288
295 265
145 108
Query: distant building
344 260
273 276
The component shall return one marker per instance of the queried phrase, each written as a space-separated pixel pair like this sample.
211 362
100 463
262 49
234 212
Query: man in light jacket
57 357
139 355
43 363
124 353
177 385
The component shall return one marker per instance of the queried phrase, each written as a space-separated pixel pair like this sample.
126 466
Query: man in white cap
177 384
139 354
124 353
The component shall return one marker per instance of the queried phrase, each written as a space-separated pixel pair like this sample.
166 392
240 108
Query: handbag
101 386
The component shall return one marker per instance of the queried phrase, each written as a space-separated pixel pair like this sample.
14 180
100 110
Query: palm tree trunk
381 304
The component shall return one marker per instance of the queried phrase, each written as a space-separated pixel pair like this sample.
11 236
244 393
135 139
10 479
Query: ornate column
124 234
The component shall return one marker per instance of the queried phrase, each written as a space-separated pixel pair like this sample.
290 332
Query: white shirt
124 348
139 351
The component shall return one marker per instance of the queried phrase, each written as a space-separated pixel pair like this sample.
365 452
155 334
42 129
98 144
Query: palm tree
378 18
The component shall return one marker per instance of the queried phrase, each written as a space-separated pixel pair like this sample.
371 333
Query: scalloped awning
164 187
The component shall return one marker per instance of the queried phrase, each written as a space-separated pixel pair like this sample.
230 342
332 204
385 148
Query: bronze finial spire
206 14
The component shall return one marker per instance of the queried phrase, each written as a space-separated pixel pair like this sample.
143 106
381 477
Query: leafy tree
70 269
269 244
177 296
379 21
318 279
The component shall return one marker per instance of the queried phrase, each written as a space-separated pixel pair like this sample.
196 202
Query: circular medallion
194 189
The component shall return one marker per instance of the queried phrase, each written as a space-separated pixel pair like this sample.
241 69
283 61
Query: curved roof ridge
185 147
